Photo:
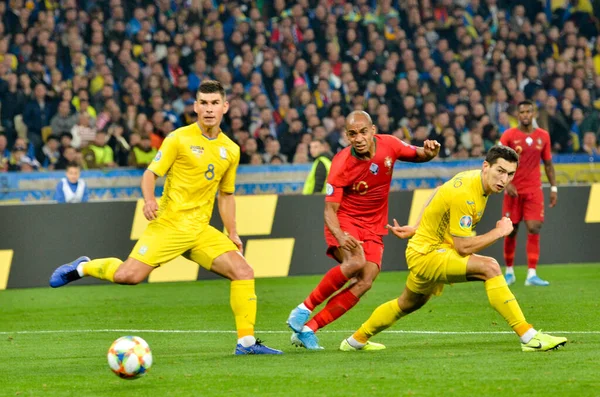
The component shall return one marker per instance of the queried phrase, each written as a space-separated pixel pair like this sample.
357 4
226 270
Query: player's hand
511 190
150 209
401 231
237 241
431 148
505 226
348 242
553 199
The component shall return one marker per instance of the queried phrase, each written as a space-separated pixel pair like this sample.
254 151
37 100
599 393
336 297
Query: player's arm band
554 189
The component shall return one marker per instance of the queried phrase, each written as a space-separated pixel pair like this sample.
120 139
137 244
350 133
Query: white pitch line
209 331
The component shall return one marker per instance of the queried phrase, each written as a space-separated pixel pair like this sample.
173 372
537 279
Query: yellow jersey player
198 160
443 251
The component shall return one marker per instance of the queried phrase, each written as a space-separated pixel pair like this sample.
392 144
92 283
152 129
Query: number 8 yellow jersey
195 167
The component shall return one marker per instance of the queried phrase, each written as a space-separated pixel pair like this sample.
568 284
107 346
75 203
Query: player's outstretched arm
430 150
148 185
409 231
471 245
226 203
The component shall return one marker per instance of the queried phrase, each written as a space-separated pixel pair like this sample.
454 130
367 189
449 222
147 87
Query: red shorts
372 242
527 206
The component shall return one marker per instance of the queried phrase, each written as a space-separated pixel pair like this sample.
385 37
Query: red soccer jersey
531 148
362 186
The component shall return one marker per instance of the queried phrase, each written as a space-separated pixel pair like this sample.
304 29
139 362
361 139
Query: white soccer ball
129 357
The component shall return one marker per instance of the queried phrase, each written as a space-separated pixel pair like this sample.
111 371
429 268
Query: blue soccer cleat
298 317
306 339
66 273
510 278
257 348
536 281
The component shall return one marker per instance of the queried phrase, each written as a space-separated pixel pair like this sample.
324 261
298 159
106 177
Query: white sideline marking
210 331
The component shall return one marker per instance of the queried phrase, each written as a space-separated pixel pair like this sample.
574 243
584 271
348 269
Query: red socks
533 250
510 244
335 308
333 280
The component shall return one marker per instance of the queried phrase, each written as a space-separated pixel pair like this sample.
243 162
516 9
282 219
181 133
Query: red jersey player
356 211
524 198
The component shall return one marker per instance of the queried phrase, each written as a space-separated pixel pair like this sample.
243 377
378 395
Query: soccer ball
129 357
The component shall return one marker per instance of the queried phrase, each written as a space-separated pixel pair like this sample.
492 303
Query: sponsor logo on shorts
143 250
158 156
465 222
329 189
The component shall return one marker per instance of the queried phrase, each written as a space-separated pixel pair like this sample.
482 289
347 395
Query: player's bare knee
353 265
128 277
534 229
241 271
491 268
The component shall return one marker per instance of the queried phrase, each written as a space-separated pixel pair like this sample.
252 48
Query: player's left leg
487 269
215 252
346 299
384 317
533 253
533 213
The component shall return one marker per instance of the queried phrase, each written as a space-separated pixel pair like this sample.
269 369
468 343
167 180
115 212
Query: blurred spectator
142 154
50 153
4 153
72 188
83 132
63 121
98 154
590 144
317 177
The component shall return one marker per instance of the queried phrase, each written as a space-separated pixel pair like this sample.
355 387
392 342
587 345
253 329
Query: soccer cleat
536 281
66 273
543 342
306 339
347 347
297 319
510 278
257 348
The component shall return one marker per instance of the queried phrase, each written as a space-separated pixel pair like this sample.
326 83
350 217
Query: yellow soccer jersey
454 211
196 167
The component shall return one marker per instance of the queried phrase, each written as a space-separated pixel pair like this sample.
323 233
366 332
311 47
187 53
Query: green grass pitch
54 342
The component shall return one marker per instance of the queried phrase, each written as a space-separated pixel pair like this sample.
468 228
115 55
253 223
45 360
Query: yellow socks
505 303
243 304
383 317
103 269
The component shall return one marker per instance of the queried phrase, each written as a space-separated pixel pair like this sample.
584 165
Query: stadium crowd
103 82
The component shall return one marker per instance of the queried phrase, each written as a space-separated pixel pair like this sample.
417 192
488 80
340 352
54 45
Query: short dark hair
72 164
501 152
211 87
525 102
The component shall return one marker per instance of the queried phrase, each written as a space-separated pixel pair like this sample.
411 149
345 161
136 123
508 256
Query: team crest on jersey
388 163
223 153
539 141
374 168
197 150
465 222
529 140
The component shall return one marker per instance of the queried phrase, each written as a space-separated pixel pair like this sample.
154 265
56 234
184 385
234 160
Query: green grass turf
194 364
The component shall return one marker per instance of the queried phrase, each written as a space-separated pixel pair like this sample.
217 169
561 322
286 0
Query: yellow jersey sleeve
165 157
461 215
227 184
